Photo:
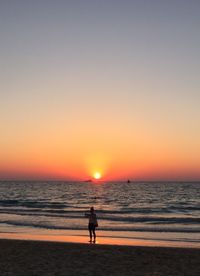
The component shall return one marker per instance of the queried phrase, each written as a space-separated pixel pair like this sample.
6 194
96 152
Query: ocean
153 210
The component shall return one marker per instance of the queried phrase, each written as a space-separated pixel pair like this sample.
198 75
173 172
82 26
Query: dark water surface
128 207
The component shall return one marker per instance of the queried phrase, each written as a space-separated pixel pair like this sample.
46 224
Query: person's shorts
91 226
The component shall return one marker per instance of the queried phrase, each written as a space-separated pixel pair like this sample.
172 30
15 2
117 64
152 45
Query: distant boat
88 180
128 181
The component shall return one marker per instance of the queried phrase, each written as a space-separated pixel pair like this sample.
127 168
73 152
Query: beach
99 145
141 232
32 258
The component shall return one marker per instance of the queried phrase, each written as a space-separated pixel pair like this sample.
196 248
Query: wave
114 229
103 217
63 206
33 204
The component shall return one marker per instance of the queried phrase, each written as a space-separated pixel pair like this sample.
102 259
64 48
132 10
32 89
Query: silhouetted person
92 224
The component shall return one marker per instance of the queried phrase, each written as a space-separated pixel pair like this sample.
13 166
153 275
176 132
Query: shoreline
23 257
82 237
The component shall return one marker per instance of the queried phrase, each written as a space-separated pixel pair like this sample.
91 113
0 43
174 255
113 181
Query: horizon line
97 181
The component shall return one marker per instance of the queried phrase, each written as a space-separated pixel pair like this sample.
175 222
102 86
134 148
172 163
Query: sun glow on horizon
97 175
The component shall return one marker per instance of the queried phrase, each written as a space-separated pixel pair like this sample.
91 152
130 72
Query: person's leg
94 234
90 232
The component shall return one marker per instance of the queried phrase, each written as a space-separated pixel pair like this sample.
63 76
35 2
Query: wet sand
32 258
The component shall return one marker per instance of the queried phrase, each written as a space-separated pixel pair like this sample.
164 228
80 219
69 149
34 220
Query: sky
103 86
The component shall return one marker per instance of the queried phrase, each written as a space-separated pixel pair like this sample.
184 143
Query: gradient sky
109 86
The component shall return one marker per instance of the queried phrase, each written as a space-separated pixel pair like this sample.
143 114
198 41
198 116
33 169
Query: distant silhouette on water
92 224
88 180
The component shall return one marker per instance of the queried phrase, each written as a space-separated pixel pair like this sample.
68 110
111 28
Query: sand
39 258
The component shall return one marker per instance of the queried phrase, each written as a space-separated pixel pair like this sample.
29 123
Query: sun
97 175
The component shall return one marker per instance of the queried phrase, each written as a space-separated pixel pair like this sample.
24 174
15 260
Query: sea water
156 210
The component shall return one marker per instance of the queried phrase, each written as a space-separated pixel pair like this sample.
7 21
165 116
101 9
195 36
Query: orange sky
113 89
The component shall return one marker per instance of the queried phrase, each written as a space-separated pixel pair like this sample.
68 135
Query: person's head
92 209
